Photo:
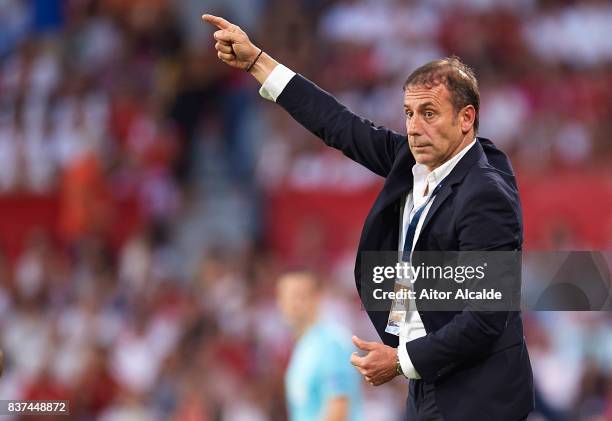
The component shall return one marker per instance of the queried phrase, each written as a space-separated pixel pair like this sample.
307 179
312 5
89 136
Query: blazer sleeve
372 146
492 222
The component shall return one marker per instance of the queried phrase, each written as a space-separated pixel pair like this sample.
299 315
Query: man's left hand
378 366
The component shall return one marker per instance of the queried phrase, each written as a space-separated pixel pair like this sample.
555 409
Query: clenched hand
378 366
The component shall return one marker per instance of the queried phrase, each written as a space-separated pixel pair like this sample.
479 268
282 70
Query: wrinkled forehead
417 95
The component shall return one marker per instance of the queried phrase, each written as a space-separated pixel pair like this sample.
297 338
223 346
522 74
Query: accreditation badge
401 303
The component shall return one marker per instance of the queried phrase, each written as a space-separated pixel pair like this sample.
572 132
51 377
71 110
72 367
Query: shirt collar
421 172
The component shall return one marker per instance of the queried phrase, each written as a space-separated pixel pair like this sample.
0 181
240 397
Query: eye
408 114
429 114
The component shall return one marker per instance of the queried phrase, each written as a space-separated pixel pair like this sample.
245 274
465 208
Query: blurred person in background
320 384
477 208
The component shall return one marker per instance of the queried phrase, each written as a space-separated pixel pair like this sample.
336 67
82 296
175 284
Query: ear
467 117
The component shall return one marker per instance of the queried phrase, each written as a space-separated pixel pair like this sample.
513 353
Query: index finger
218 21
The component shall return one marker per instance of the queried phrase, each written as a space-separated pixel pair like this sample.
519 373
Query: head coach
462 365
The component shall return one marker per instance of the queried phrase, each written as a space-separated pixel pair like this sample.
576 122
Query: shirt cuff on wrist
276 82
407 366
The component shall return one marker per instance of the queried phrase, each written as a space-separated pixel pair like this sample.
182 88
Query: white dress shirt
413 327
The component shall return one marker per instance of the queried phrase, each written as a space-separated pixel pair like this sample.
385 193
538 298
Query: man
319 383
462 365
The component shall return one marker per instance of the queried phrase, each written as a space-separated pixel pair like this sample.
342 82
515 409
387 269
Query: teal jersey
319 370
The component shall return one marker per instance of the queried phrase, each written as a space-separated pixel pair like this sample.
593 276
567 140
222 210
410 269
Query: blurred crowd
103 101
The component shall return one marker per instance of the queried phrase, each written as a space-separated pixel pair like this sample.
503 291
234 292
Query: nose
413 126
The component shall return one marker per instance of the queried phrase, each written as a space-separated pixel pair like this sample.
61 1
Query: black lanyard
414 222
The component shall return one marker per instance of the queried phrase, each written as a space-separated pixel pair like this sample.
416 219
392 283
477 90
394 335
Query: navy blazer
477 361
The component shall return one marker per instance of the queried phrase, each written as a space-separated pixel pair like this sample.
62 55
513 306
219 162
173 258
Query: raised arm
318 111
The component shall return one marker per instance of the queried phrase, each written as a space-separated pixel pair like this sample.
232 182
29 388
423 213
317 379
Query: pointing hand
233 45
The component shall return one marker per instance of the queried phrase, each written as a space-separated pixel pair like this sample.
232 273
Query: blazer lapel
455 177
445 192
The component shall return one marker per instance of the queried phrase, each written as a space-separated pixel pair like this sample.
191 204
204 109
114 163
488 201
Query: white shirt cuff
276 82
407 366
